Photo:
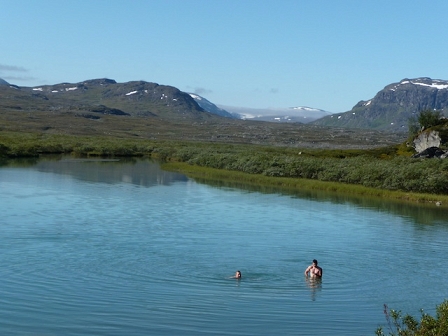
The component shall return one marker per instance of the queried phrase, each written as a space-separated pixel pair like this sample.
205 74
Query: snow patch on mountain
210 107
428 82
434 85
194 96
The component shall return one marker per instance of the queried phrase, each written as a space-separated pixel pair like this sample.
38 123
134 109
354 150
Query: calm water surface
123 248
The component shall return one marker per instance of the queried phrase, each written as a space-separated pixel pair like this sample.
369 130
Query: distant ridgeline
3 82
93 98
392 107
389 110
96 97
210 107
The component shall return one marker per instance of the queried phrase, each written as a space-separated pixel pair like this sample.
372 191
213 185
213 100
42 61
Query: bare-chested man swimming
314 270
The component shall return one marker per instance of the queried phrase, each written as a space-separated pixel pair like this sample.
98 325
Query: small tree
428 118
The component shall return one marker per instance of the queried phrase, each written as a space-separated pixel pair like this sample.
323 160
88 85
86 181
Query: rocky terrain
432 142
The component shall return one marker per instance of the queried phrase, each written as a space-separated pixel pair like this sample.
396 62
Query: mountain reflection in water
141 172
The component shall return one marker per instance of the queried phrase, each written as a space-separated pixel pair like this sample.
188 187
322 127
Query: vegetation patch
381 171
203 174
407 325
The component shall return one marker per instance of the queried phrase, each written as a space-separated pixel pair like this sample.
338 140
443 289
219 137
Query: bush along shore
384 172
399 324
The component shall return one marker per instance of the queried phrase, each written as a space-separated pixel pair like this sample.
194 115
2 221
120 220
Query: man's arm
307 270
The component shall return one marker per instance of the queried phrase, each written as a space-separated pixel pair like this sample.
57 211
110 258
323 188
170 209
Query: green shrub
429 118
407 325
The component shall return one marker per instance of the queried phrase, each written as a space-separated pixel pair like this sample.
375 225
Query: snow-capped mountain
300 114
95 98
393 107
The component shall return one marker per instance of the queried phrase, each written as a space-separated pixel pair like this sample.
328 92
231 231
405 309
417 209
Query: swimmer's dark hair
315 261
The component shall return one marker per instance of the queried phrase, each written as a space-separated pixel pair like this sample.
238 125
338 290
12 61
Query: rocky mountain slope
212 108
392 107
93 98
3 82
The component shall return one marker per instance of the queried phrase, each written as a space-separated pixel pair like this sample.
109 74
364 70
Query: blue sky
326 54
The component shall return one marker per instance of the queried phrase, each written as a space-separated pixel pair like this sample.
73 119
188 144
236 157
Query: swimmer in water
237 275
313 270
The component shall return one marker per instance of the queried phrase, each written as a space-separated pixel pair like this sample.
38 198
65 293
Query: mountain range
392 107
93 98
145 110
389 110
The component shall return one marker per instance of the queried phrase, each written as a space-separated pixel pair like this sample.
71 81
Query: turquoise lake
91 247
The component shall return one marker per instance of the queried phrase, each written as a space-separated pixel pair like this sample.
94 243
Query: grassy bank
386 172
210 174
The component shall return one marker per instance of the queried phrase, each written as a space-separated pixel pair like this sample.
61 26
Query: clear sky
326 54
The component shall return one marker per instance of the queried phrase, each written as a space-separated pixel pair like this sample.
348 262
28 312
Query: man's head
315 262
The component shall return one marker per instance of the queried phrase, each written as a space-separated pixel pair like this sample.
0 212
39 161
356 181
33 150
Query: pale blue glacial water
123 248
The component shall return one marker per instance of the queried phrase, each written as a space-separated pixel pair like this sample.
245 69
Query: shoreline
301 184
377 173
